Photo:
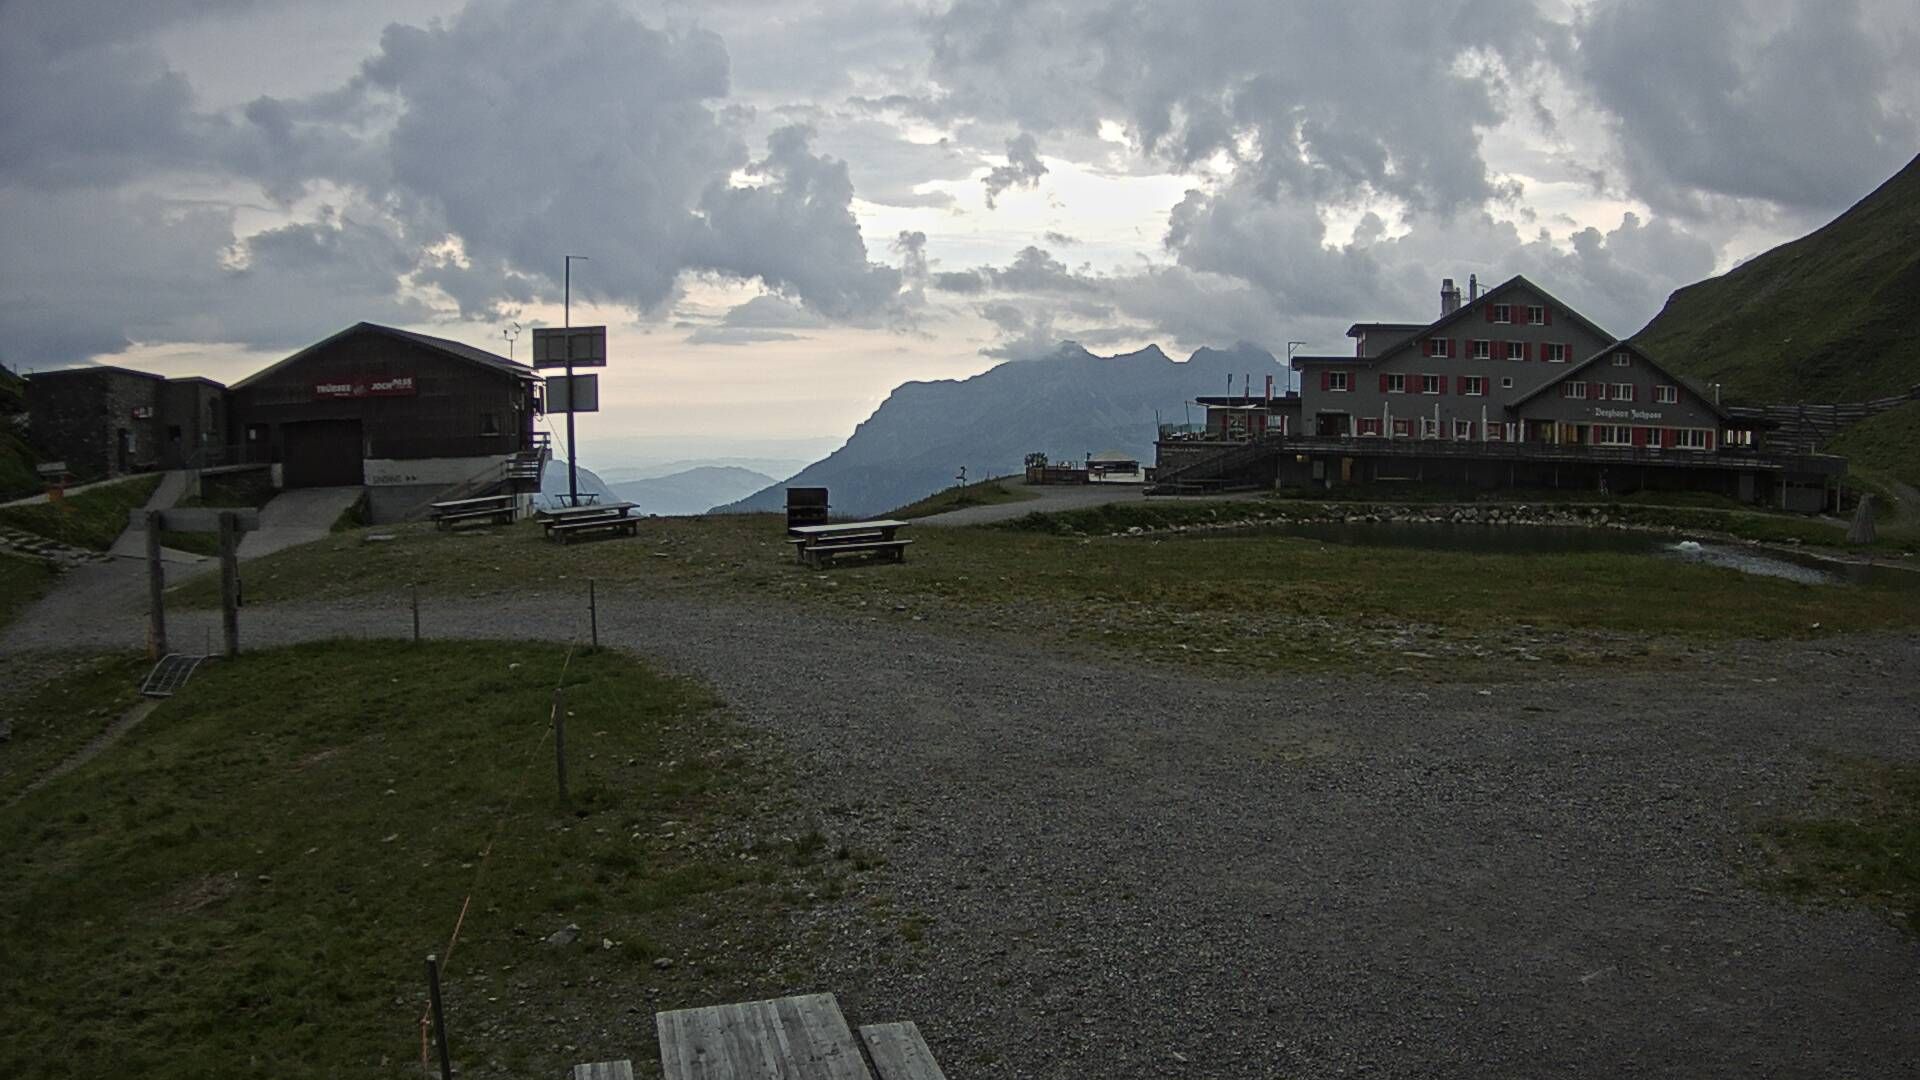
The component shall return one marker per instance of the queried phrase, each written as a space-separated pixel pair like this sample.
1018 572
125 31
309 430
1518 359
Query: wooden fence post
230 581
593 614
156 591
560 741
416 612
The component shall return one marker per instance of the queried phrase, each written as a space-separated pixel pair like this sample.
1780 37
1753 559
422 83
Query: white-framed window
1666 395
1401 428
1555 352
1620 391
1482 349
1439 346
1429 428
1506 382
1536 315
1396 384
1573 391
1621 359
1690 439
1612 435
1337 380
1433 384
1516 350
1462 430
1370 425
1736 437
1503 313
1476 386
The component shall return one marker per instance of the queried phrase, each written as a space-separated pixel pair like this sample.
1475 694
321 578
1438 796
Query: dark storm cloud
1023 168
1790 103
1319 100
512 131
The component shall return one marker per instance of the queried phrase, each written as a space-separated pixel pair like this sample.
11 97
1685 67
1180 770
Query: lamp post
511 333
573 447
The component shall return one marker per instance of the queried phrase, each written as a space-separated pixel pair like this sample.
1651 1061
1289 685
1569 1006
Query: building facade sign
1626 414
397 386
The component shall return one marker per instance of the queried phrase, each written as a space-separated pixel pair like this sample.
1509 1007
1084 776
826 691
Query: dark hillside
1832 316
16 458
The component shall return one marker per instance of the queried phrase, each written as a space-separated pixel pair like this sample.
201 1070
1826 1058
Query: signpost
229 524
570 348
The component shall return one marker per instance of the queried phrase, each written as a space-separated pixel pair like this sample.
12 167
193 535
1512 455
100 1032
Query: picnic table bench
502 508
567 524
794 1038
818 545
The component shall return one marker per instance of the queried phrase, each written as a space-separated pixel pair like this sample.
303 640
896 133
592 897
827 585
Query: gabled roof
95 369
1465 311
1361 327
1298 360
454 349
1618 346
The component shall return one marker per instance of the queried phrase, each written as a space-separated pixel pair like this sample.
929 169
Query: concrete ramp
298 516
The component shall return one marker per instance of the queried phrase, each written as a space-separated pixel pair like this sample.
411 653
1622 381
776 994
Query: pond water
1549 539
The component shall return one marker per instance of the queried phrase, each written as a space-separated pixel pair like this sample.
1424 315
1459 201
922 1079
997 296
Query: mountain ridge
1068 404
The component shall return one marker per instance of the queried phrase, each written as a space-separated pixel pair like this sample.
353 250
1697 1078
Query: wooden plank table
794 1038
818 544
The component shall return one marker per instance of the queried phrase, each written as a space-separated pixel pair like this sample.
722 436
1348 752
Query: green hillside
16 458
1832 316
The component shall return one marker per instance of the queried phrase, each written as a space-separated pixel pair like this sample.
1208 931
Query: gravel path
1127 873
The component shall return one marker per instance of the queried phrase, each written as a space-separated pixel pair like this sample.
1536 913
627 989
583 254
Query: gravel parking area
1098 870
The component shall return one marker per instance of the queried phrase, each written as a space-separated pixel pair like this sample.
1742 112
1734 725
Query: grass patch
991 492
92 519
1258 601
1868 855
256 872
56 719
1888 443
22 581
248 489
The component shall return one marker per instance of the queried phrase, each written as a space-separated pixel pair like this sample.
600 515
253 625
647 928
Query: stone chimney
1449 297
1473 288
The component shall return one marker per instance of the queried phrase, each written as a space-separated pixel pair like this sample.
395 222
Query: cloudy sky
791 206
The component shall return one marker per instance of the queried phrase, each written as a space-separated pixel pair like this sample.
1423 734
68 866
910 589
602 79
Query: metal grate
170 674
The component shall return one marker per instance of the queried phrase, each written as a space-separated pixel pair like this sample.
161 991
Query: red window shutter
1597 390
1426 346
1549 312
1709 440
1383 382
1639 436
1460 384
1666 436
1326 380
1488 308
1633 393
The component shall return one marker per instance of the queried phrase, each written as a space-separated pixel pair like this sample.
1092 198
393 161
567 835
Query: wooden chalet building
1512 388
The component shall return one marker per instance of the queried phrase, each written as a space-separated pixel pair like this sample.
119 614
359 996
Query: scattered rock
566 935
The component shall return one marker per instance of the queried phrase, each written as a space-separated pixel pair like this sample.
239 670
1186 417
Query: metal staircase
1224 468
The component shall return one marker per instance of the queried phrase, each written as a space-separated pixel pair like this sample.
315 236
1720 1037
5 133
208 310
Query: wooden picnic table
816 545
793 1038
565 523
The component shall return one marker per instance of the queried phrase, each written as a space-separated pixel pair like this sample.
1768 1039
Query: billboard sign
587 345
583 397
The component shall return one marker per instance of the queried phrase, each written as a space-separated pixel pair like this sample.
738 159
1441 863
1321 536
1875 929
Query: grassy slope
92 519
1828 317
1888 443
61 716
17 459
22 581
255 873
1865 853
992 492
1265 601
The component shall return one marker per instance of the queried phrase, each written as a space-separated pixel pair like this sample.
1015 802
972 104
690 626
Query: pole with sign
573 448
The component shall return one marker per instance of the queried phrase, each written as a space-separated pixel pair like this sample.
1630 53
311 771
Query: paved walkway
132 542
296 517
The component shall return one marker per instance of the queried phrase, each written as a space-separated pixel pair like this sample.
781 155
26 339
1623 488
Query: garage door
322 453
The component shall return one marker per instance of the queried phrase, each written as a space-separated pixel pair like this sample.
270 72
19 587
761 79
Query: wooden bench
604 1070
818 545
899 1053
613 524
501 508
